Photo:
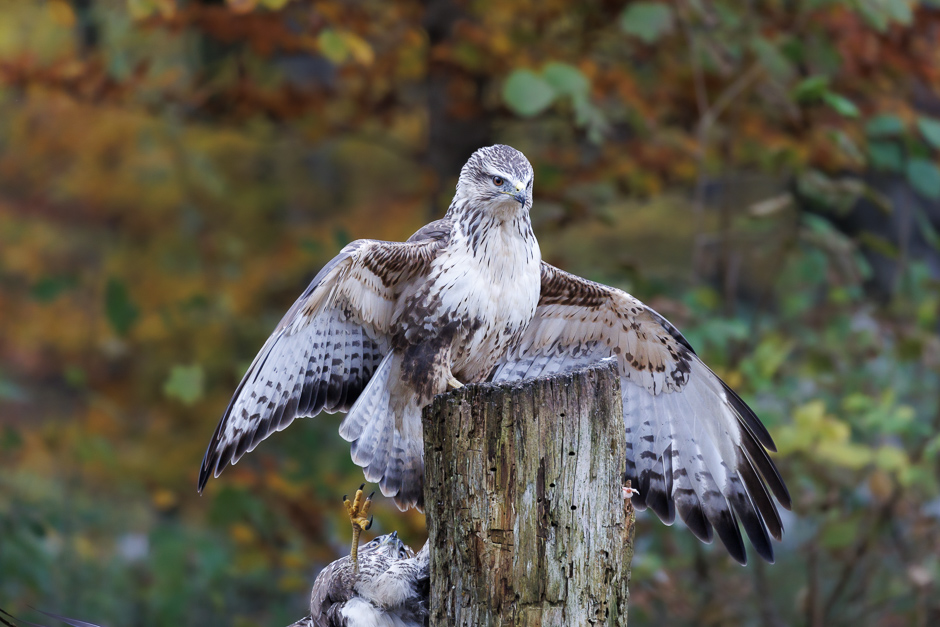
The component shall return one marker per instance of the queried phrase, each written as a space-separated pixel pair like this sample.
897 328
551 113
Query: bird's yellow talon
358 511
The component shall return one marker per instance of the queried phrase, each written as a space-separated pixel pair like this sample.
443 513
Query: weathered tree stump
526 516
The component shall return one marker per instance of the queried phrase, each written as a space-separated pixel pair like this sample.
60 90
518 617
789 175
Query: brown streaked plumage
385 326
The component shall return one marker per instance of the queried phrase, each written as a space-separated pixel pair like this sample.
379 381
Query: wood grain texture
526 516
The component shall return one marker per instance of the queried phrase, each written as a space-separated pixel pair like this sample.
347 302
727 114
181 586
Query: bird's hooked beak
518 193
392 539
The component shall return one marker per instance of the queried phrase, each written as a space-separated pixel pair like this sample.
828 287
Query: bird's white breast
494 281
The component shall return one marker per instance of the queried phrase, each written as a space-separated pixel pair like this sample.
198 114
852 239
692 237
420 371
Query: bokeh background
173 173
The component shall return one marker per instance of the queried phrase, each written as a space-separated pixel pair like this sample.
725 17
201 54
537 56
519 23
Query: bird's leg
358 511
453 383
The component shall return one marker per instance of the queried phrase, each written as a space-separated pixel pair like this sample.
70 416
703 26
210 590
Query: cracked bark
526 517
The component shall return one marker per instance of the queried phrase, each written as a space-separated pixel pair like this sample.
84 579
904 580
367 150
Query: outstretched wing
693 445
325 349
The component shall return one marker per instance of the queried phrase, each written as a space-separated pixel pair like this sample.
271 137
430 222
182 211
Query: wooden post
526 515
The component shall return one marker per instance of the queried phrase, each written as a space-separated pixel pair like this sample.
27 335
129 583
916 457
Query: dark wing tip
213 459
749 418
206 470
694 518
5 621
726 526
753 522
767 468
657 498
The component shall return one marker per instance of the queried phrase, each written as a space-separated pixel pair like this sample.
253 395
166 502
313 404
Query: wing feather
325 349
694 448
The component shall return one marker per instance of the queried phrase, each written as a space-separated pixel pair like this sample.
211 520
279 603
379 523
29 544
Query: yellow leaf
733 378
359 48
275 5
84 547
61 13
141 9
295 561
810 414
164 499
851 456
891 459
241 533
292 583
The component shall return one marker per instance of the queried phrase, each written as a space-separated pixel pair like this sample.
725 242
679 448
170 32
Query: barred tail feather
404 475
384 427
371 410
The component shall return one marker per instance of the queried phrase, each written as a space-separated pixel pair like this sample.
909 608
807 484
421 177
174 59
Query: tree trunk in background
86 26
457 123
526 516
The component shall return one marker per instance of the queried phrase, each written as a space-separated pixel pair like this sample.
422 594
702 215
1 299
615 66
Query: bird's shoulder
437 231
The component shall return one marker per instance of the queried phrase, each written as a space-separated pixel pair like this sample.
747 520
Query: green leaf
930 129
881 13
185 383
647 21
811 88
927 229
924 177
772 58
841 104
879 244
847 145
566 79
891 459
527 94
75 376
589 117
47 289
10 439
884 125
332 46
886 156
120 309
10 391
839 534
341 236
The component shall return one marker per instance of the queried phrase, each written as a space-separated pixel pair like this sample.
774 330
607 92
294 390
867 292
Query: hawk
386 326
391 587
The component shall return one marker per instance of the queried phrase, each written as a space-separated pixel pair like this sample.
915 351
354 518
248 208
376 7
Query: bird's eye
497 181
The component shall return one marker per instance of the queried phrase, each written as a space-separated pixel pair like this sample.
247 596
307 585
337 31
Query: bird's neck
505 233
508 226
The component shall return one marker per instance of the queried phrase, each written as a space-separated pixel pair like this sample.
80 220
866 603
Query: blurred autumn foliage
173 172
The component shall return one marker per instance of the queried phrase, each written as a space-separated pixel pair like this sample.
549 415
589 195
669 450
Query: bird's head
389 544
498 179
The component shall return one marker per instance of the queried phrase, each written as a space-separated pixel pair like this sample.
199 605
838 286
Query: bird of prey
390 589
385 326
